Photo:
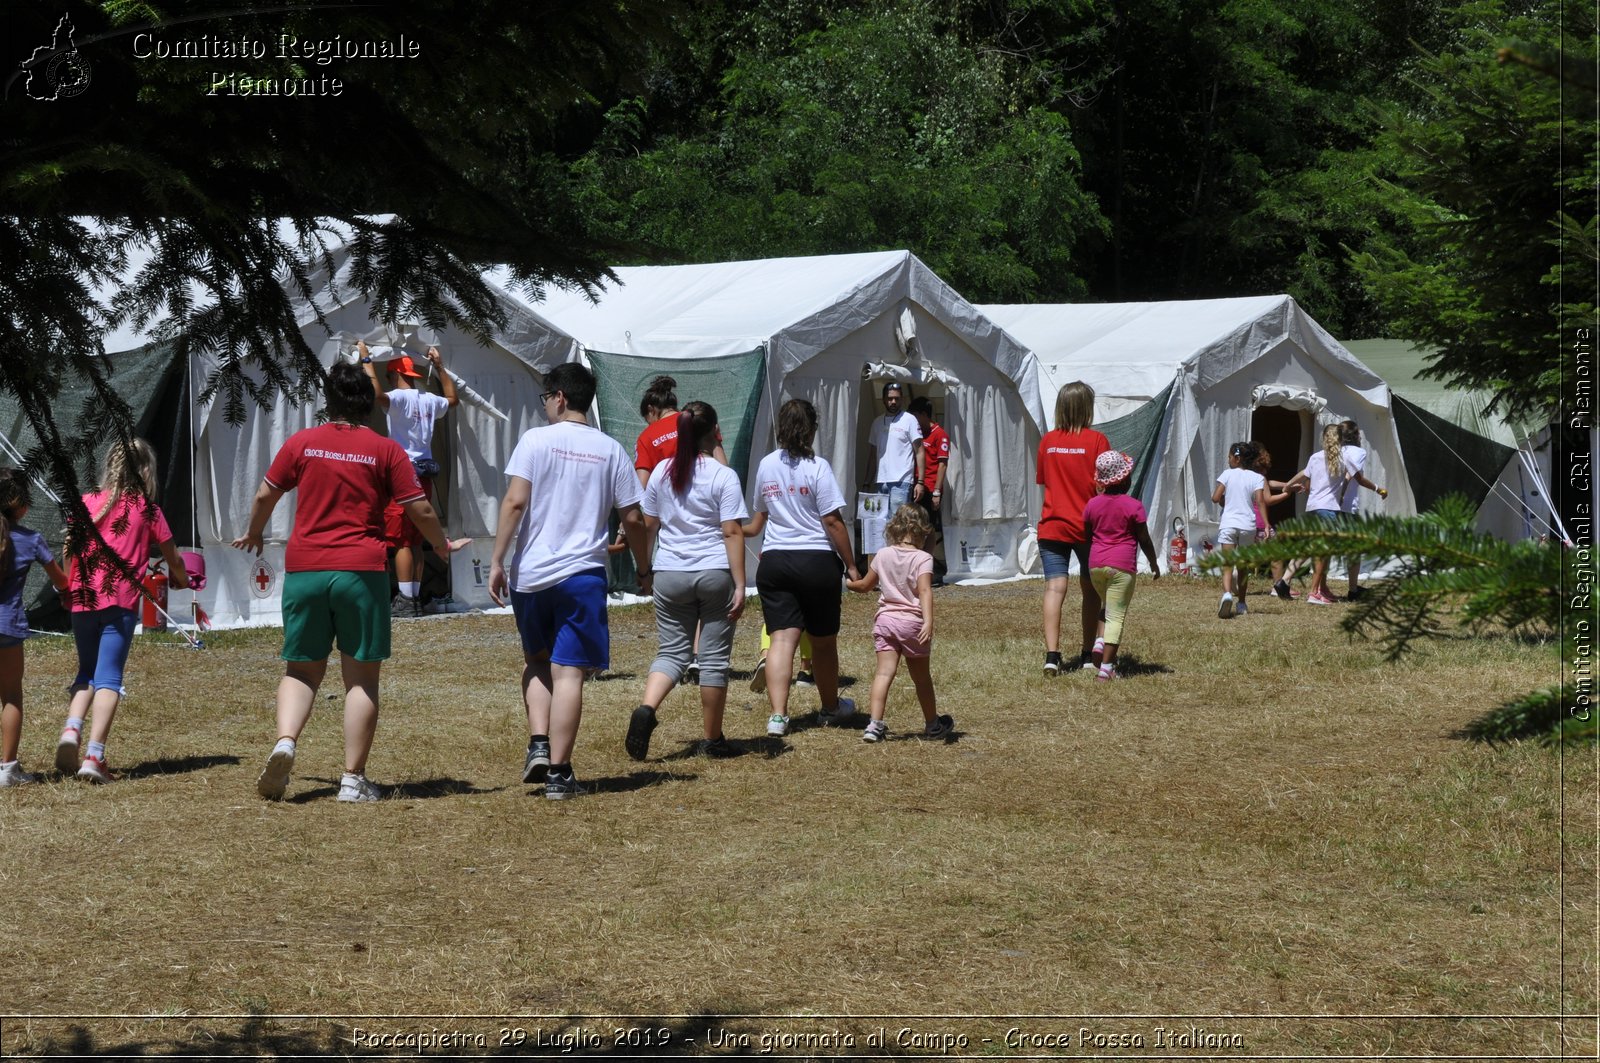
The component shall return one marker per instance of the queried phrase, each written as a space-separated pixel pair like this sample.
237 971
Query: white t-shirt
578 475
795 494
412 413
690 539
1320 493
895 439
1355 462
1239 489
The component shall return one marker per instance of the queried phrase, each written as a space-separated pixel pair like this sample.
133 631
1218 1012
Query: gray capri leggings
687 599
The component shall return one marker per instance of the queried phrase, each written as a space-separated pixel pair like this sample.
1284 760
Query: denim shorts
1057 557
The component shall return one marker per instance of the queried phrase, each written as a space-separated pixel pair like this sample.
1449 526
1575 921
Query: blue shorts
567 622
1057 557
104 638
1330 516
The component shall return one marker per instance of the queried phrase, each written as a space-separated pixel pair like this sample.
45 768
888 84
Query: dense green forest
1415 168
1381 160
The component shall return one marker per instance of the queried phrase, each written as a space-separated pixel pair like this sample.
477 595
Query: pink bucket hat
1112 467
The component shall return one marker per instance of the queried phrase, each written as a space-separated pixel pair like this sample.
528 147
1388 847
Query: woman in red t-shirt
1066 469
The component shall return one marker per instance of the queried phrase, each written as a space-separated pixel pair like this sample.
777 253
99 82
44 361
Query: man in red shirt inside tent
936 460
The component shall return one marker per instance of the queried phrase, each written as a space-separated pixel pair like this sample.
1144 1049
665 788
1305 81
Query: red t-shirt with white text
345 475
935 448
1066 468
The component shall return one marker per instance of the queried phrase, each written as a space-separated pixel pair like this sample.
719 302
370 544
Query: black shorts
800 588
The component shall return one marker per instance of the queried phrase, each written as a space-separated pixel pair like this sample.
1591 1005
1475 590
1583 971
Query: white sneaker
777 726
274 777
13 775
758 679
876 731
357 788
94 770
842 713
1225 610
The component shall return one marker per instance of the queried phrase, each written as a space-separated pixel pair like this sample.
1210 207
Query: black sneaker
718 747
562 787
1052 664
537 766
640 725
403 608
939 727
1355 594
691 674
1281 589
805 679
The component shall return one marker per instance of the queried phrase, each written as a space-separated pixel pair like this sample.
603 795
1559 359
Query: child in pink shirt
904 624
1116 524
103 599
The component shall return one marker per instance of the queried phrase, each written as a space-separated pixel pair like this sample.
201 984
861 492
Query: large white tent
1178 382
830 329
503 378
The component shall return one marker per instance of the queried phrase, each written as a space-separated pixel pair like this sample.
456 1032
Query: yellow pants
1115 588
805 643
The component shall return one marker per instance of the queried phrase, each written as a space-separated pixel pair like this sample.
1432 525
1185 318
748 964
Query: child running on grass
1241 492
1116 525
19 548
904 624
103 598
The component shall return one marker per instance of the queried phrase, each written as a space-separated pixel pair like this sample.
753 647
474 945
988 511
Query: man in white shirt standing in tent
556 582
412 413
896 441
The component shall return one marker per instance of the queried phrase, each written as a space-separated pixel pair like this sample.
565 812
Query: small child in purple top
1116 524
19 548
904 625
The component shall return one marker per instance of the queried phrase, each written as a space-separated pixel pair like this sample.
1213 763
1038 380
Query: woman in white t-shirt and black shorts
693 513
807 547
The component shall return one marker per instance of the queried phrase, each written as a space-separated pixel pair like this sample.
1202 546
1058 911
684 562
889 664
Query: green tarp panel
1135 434
731 384
1443 458
155 385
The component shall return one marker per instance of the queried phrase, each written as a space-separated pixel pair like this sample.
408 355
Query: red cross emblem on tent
262 577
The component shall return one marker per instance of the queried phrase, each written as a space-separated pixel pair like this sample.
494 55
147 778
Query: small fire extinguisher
1178 549
155 586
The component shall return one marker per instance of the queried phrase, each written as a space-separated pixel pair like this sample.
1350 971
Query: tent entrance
1282 431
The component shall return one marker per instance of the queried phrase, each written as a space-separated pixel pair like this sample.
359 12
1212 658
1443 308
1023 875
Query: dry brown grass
1263 820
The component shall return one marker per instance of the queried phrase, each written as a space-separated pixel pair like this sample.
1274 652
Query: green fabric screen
1135 434
1443 458
155 385
731 384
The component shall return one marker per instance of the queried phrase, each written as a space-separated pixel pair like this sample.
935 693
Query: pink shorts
898 632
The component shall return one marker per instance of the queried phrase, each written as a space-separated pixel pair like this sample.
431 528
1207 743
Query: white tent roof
796 307
1133 350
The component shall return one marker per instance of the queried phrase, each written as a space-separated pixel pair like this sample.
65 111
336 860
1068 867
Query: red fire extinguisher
1178 549
155 586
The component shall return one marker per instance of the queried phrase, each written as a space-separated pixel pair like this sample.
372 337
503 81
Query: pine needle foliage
1446 580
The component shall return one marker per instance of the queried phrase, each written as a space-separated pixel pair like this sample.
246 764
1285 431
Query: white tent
1192 377
829 329
504 379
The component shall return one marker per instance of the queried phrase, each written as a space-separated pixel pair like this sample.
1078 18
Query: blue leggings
104 638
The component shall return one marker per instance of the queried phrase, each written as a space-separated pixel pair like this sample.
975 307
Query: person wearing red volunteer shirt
336 579
1066 469
935 461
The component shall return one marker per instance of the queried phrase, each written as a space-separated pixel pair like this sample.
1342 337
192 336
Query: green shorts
320 608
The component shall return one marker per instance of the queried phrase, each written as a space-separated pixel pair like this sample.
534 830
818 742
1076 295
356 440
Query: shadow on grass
266 1037
1129 666
421 790
611 677
765 746
618 784
175 766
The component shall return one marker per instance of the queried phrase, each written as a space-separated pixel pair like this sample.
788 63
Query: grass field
1263 832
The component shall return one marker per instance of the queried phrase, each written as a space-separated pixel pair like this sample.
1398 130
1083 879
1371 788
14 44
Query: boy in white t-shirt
412 414
1241 492
556 582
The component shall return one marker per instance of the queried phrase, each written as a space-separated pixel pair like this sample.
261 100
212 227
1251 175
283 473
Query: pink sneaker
1317 599
1103 676
94 770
